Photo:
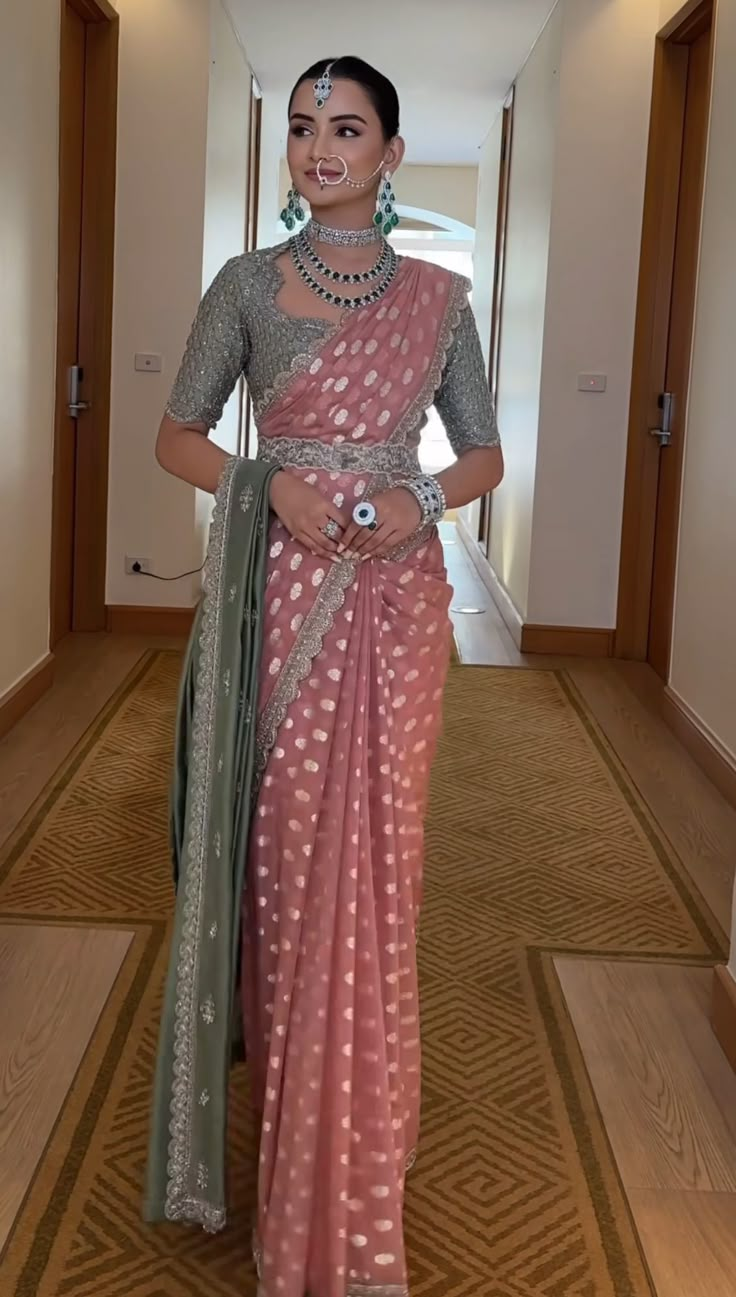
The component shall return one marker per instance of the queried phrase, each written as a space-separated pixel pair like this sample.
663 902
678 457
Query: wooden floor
668 1099
664 1087
55 981
666 1093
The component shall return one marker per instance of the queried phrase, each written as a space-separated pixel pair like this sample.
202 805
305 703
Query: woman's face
347 127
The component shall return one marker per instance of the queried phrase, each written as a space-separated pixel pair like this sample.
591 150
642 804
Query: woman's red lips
331 175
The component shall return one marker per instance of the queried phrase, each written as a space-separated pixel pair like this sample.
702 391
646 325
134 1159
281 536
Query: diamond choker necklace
343 238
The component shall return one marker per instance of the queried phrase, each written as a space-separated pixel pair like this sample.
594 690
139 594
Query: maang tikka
324 87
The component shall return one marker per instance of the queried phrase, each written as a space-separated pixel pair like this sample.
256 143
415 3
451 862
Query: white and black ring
331 529
364 514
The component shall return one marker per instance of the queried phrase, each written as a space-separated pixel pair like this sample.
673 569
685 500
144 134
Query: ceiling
452 61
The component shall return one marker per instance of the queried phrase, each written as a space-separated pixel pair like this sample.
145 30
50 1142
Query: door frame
96 279
499 269
499 273
652 331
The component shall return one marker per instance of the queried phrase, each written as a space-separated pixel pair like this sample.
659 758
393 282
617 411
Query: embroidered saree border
213 773
181 1203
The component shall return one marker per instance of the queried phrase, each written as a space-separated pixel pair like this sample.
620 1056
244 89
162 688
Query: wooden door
71 167
665 321
504 184
677 374
88 92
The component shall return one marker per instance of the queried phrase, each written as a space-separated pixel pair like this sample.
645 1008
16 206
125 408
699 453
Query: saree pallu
211 801
352 674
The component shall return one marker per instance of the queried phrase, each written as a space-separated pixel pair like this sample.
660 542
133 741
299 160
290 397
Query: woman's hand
305 512
398 516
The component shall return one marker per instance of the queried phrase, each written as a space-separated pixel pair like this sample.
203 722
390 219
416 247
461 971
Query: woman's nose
319 149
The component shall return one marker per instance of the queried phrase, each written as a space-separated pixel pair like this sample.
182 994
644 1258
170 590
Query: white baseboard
500 596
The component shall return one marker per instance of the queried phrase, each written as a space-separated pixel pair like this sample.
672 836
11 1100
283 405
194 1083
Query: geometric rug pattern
537 843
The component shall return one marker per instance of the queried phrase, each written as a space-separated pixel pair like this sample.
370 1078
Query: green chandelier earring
293 213
386 216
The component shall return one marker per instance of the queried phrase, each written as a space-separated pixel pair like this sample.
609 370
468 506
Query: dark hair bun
380 91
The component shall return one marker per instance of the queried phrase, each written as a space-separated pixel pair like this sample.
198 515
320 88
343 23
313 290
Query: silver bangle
430 496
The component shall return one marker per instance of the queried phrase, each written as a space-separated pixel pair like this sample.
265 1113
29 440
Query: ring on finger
364 514
331 529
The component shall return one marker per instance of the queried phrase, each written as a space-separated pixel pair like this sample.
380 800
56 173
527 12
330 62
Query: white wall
576 202
484 260
524 306
273 149
704 636
162 148
228 127
226 195
595 246
29 164
486 221
703 671
451 191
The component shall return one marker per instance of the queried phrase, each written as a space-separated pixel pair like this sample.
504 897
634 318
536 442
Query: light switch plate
147 362
592 382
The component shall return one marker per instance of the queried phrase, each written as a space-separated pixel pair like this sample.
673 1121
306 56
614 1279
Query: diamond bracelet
428 492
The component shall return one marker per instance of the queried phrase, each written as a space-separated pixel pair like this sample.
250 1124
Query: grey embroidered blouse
239 329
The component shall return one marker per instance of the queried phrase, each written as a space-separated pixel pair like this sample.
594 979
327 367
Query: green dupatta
212 795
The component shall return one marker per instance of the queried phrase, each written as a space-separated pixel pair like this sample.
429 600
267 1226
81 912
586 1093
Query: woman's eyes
344 132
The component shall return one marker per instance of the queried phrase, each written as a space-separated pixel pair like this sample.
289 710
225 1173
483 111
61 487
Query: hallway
662 1098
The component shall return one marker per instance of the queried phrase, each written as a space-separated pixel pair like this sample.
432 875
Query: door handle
664 432
75 405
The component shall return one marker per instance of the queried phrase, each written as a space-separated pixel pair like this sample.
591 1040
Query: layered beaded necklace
304 255
339 277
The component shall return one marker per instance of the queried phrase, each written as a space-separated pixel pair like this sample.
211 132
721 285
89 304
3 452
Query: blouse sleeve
464 398
216 353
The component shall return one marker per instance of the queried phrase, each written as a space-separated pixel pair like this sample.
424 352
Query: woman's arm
474 474
184 450
215 357
466 409
399 515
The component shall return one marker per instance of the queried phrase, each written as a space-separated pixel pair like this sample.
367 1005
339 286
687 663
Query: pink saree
352 675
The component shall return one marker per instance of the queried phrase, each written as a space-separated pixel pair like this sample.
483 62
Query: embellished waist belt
303 452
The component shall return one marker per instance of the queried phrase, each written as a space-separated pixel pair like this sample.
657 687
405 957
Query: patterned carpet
537 843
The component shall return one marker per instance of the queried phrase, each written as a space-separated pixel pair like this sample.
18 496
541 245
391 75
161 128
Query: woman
344 348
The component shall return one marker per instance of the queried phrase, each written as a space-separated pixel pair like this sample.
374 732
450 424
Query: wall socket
143 565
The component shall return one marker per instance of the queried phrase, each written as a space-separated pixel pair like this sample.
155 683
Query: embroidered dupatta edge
186 1168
